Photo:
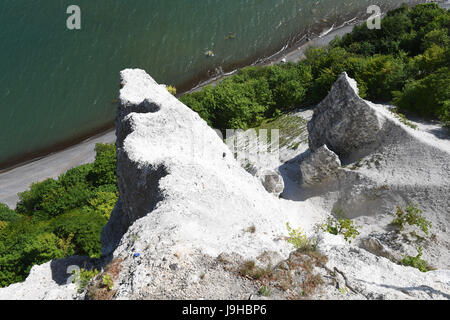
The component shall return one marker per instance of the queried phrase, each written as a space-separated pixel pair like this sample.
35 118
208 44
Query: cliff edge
191 223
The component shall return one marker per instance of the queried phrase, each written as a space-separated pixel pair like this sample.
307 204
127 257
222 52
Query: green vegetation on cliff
406 62
58 218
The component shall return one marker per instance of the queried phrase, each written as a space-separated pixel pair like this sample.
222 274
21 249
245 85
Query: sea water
58 84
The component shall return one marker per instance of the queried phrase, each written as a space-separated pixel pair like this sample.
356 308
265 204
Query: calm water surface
57 84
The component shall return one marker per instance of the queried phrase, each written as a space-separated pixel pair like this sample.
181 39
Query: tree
104 169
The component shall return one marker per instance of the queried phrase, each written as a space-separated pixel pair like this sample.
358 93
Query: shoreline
18 177
291 53
52 161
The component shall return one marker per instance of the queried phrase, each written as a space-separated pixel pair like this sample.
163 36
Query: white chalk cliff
188 214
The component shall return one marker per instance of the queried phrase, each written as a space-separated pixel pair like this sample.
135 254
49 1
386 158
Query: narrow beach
20 177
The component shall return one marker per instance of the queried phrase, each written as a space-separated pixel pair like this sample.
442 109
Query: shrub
203 102
24 243
104 169
3 224
107 282
241 105
341 226
250 270
60 217
45 247
438 37
380 75
427 97
102 203
413 216
31 200
76 176
297 237
431 60
403 29
83 277
58 200
265 291
416 262
6 214
326 65
289 84
172 90
85 228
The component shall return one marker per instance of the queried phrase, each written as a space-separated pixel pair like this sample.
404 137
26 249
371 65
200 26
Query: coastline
319 34
288 54
291 52
20 176
57 159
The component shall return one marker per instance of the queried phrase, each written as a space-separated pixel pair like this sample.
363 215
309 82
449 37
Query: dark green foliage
24 244
51 197
6 214
438 37
428 97
403 29
326 65
31 200
253 94
76 176
202 102
289 84
73 189
104 169
408 57
379 75
58 218
84 228
241 104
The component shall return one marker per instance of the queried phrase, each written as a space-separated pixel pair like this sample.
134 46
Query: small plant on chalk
172 90
82 278
297 237
341 225
265 291
412 215
250 270
416 262
107 282
402 118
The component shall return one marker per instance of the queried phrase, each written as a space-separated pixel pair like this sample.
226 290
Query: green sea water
58 84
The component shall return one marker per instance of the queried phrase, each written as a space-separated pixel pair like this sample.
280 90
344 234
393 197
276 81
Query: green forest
405 63
58 218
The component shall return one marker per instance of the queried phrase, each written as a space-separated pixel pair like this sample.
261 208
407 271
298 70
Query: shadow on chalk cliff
139 194
62 268
292 176
431 292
